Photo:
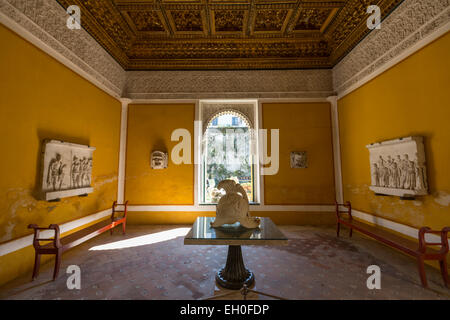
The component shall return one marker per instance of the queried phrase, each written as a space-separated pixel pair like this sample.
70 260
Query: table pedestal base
221 293
234 275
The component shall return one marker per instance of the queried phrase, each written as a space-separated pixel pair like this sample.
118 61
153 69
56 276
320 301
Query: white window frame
198 136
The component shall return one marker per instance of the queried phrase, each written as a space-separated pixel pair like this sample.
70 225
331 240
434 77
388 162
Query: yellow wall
150 128
412 98
41 98
303 127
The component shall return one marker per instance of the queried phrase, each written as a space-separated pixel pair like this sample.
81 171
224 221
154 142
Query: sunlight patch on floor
144 240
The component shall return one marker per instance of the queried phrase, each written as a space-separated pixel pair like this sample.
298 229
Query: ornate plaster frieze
228 84
412 22
45 23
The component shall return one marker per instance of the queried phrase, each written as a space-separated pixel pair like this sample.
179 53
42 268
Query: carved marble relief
398 167
66 170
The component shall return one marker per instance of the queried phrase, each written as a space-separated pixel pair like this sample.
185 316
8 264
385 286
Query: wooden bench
58 245
421 251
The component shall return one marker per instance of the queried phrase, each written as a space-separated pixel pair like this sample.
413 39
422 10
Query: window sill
213 204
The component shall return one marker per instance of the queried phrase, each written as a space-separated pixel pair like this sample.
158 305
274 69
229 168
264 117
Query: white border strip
122 150
26 241
398 227
336 149
399 58
212 208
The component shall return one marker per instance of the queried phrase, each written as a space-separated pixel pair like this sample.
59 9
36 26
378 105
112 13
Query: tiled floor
153 263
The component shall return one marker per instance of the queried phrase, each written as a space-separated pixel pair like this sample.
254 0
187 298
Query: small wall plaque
159 160
298 159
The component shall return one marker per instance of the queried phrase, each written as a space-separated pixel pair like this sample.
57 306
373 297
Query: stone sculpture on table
234 207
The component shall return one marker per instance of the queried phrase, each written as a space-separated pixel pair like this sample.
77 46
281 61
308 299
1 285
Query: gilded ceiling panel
229 20
267 20
312 19
186 20
146 20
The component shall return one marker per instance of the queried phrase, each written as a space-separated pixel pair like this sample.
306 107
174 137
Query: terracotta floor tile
315 265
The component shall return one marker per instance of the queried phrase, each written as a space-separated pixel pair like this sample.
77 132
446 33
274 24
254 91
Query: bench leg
57 264
423 276
351 232
123 227
444 271
37 262
338 228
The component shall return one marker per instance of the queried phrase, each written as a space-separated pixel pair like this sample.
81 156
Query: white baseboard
394 226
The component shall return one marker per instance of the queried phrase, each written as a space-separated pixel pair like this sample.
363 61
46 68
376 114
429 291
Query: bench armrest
119 204
346 205
37 230
444 239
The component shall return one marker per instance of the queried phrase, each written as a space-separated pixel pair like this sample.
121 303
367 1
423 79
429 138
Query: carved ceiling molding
228 34
45 22
413 21
228 84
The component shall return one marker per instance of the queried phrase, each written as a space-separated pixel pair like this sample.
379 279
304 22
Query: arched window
227 154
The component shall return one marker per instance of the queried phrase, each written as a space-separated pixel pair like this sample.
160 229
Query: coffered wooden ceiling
227 34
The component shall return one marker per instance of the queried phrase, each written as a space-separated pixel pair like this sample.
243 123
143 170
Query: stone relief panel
398 167
66 170
47 21
412 21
